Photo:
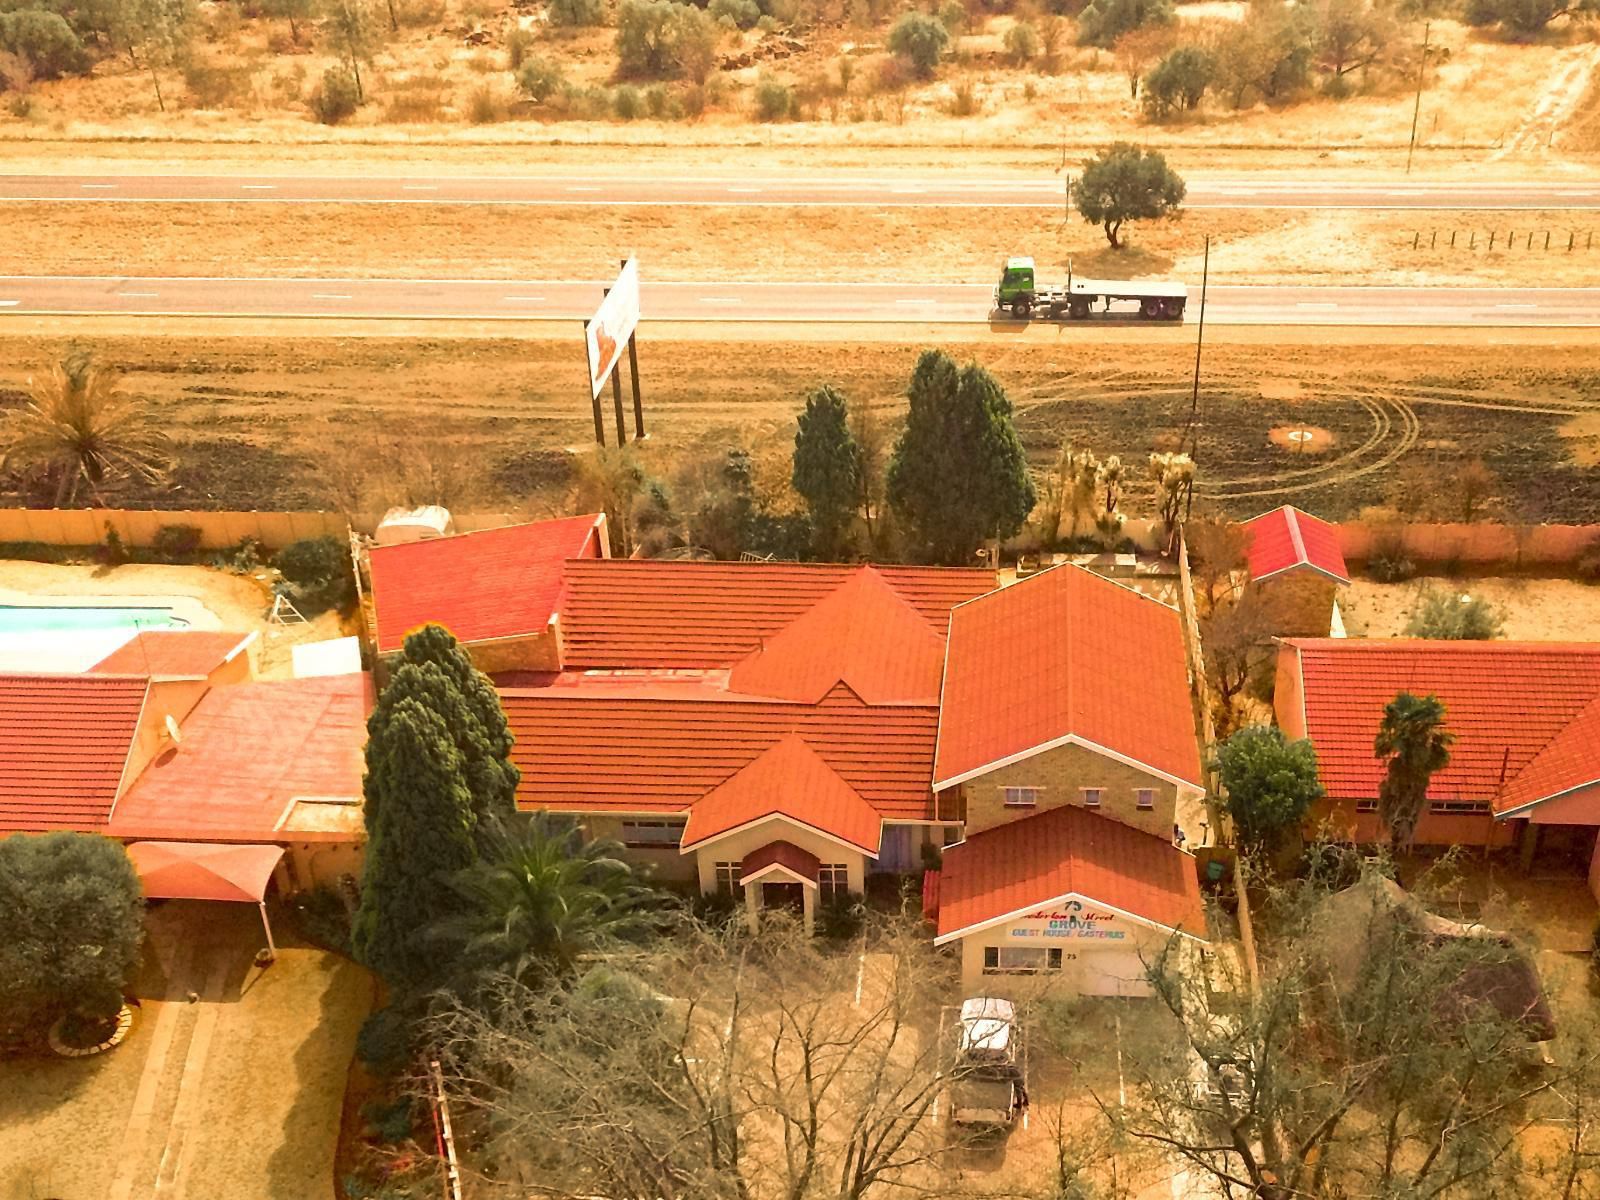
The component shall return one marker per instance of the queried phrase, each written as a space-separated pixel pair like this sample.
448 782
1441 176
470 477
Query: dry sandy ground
1535 610
352 424
234 602
772 244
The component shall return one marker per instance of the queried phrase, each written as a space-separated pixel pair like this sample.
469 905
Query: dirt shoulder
493 422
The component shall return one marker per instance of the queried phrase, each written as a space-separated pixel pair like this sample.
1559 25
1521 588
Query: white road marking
1516 306
97 185
9 303
916 301
418 187
259 187
324 296
138 295
524 299
720 300
583 189
1315 304
748 190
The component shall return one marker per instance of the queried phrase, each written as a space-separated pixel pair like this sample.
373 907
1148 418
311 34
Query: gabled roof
246 754
64 744
1061 657
495 583
779 857
706 615
173 653
788 779
1016 868
862 634
1523 713
603 750
1286 538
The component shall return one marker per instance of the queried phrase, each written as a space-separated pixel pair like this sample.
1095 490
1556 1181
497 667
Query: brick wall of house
537 652
1303 602
665 862
1061 774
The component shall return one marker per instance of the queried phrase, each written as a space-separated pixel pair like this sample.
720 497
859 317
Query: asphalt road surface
1044 191
801 302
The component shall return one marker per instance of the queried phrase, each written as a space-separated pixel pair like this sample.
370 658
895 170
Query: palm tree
1416 743
79 429
541 898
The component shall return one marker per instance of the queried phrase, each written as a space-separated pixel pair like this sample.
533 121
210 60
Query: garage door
1111 973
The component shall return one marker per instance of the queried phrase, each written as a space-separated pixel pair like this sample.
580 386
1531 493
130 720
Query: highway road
947 191
512 300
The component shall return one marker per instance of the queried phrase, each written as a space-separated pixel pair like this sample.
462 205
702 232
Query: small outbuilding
1297 559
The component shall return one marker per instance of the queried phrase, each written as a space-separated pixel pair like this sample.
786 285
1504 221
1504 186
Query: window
1364 806
1092 797
1457 807
1021 797
833 879
952 835
728 878
1020 960
652 834
1145 797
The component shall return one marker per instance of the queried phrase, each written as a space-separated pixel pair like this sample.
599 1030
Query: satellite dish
173 731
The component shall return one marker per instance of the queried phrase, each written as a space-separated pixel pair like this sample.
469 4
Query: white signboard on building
1071 919
608 331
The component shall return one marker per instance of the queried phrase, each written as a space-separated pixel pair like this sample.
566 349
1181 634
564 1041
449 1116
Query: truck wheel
1020 309
1175 309
1150 308
1080 310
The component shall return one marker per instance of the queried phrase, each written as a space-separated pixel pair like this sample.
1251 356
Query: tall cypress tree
420 821
959 473
436 671
827 468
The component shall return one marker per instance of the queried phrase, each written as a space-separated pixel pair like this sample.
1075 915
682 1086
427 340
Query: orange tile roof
1061 656
1286 538
247 752
1514 707
173 653
780 854
494 583
603 750
788 779
1012 869
653 613
862 634
64 743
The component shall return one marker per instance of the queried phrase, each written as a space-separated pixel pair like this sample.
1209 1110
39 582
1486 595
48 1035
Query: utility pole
1194 395
1416 109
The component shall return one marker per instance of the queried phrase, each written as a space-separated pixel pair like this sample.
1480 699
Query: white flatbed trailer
1158 299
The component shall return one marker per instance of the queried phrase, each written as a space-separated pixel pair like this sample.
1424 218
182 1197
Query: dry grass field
317 421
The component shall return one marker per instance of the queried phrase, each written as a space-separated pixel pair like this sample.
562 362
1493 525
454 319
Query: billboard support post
605 335
633 374
599 416
616 398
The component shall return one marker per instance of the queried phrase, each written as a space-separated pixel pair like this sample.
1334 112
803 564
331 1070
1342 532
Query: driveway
235 1094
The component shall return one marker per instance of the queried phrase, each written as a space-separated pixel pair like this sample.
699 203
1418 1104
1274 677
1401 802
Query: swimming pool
31 618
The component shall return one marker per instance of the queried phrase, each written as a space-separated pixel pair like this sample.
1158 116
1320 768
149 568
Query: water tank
402 525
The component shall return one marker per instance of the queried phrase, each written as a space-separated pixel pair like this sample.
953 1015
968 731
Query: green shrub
920 40
1587 565
1446 616
115 551
963 100
319 573
627 103
540 78
485 105
518 42
1104 21
391 1120
386 1042
322 916
659 39
1389 563
840 917
575 14
953 16
1022 43
1178 81
335 98
742 14
774 100
240 559
176 543
44 41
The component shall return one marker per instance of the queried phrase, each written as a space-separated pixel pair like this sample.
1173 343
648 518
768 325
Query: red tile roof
64 742
653 613
862 634
247 752
788 779
495 583
1514 707
173 653
589 750
1286 538
1012 869
780 854
1065 655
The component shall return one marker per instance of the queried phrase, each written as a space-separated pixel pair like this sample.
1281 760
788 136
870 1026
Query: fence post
1547 239
1474 244
1452 239
1491 239
1570 235
1415 238
1433 239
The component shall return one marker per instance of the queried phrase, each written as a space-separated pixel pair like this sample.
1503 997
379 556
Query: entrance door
784 895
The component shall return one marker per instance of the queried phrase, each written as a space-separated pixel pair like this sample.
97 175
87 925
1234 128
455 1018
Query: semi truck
1020 294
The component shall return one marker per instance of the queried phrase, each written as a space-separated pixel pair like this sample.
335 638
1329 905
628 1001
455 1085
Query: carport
208 871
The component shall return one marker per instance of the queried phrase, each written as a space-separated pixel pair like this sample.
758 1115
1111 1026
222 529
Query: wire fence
1565 241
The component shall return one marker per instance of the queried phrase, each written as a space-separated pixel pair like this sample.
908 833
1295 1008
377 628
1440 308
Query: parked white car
987 1042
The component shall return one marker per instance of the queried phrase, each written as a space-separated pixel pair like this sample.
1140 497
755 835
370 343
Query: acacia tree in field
80 430
156 34
71 924
351 24
959 473
713 1065
827 468
1124 183
1375 1059
1414 741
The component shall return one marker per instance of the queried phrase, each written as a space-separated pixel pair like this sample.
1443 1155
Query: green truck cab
1016 283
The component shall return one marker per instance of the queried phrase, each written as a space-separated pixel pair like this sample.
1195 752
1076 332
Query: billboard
608 331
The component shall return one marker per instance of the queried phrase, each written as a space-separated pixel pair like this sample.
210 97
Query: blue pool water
40 619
